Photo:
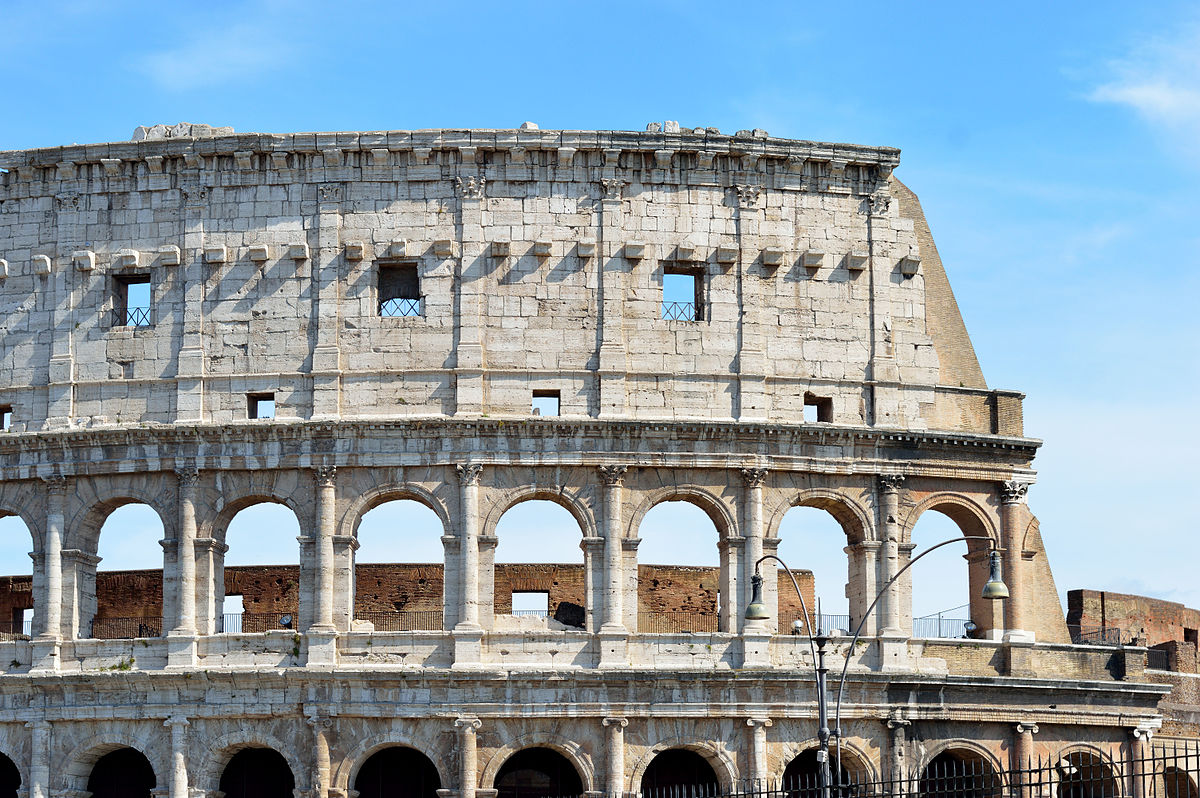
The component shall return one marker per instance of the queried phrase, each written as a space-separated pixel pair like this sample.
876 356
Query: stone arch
19 547
568 500
969 515
573 751
83 529
78 763
1101 758
12 779
850 515
208 775
12 507
382 494
720 760
863 762
218 525
718 511
346 770
960 744
982 775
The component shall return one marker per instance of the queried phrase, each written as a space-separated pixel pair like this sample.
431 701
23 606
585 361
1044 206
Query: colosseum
200 321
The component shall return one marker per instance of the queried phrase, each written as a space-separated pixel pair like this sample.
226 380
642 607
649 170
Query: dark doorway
802 776
1084 775
959 774
537 773
10 778
679 767
257 773
397 772
124 773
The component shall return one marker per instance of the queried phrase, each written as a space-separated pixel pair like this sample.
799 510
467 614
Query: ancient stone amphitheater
203 321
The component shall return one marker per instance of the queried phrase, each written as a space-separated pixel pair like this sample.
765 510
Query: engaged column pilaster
1012 505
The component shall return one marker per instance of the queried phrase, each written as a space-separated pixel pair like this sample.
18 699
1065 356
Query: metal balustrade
681 311
132 316
1094 635
672 623
253 622
403 621
933 627
125 628
400 307
10 630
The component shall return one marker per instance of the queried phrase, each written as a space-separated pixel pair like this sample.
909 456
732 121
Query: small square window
399 290
817 409
546 403
535 603
683 294
260 405
132 300
6 418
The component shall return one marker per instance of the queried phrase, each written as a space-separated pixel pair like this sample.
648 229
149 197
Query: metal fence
10 630
681 311
673 623
405 621
400 307
1094 635
825 622
1158 659
131 316
252 622
125 628
933 627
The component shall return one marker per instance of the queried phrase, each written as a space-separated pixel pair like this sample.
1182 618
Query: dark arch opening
679 767
1084 775
124 773
959 774
397 772
257 773
802 779
537 773
1178 784
10 778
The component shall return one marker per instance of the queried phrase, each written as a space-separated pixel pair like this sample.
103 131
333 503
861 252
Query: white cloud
214 56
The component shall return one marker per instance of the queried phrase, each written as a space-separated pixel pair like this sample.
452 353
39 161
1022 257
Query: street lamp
993 590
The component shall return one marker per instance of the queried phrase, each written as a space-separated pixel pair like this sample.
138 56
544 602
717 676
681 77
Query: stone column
612 359
326 295
467 777
752 520
1139 753
320 772
191 286
897 742
614 575
468 480
864 573
732 551
758 751
889 526
1012 502
323 598
1021 757
39 759
56 494
185 552
751 357
179 774
468 355
616 756
594 581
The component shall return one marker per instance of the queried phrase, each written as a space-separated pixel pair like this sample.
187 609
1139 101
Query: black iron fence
674 623
125 628
1094 635
405 621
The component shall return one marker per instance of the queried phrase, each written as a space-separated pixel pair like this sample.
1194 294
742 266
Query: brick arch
962 744
345 771
969 515
78 763
568 500
1105 760
716 510
570 749
849 750
1031 530
382 494
208 775
719 758
850 515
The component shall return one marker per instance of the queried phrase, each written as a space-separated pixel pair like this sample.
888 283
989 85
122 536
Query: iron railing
399 306
681 311
933 627
824 621
530 613
132 316
674 623
235 623
125 628
10 630
403 621
1094 635
1158 659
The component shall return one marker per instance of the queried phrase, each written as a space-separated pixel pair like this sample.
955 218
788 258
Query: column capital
1013 491
1143 732
890 483
56 484
187 476
613 475
38 725
620 723
467 724
326 476
1026 727
470 186
896 720
612 188
747 195
754 477
176 721
469 473
759 722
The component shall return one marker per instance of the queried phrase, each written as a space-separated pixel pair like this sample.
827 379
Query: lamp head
995 587
757 611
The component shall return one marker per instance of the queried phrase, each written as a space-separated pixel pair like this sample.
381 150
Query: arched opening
123 773
802 779
260 574
397 772
10 778
683 581
1083 774
537 773
1178 784
399 572
128 575
16 583
813 544
257 773
539 567
945 586
959 773
679 768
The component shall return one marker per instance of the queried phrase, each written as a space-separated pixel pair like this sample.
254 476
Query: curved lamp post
994 590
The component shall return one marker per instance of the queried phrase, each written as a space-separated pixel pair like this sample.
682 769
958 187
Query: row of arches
398 771
675 532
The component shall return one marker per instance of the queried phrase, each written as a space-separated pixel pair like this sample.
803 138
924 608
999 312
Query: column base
46 655
181 650
893 652
1018 636
468 646
756 648
322 647
614 647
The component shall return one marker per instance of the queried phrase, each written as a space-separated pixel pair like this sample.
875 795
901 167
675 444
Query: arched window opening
941 581
813 544
539 571
676 769
538 773
802 776
10 778
397 772
128 577
1085 775
959 774
681 581
1178 784
257 773
262 566
124 773
16 584
399 575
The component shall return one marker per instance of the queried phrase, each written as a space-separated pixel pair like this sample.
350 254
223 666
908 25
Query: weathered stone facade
530 264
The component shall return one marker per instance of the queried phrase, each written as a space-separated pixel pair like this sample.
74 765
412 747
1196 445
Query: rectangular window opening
260 405
132 300
6 418
546 403
1189 636
533 603
399 290
683 294
817 409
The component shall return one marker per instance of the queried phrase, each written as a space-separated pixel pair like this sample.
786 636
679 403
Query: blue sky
1055 147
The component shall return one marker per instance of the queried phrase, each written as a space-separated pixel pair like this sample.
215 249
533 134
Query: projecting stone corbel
398 248
112 166
41 264
169 255
216 255
84 260
542 248
259 253
686 253
3 268
856 261
586 248
355 250
635 250
298 251
565 156
443 247
501 248
910 264
814 259
727 255
772 256
127 259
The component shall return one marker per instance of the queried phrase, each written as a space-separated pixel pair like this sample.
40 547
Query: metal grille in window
400 307
681 311
131 317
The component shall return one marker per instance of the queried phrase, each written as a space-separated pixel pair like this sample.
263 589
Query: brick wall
1149 620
